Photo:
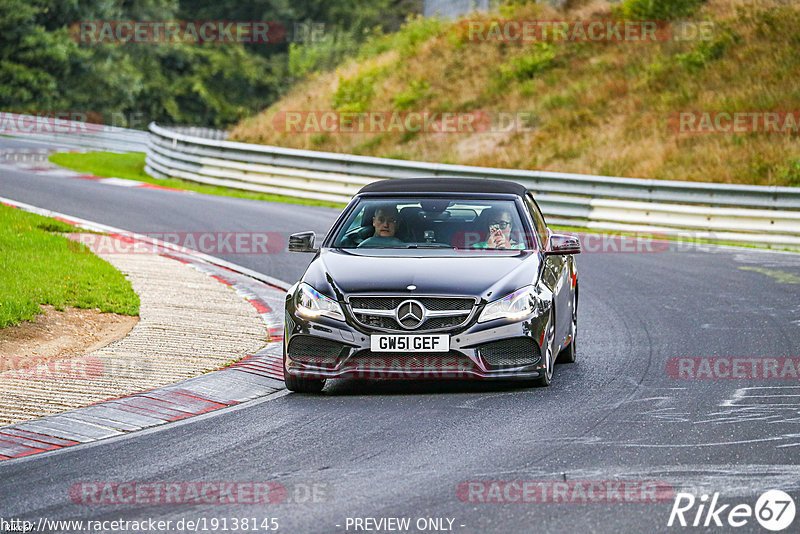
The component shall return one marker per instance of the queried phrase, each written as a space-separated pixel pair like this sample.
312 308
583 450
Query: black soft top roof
444 185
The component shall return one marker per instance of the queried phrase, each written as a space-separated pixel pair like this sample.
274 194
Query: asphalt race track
373 449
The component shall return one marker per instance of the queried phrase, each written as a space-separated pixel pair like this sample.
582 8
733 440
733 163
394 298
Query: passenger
385 223
499 236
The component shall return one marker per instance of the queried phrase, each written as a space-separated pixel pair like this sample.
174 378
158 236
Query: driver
385 223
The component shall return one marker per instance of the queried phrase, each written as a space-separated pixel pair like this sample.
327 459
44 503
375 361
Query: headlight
514 307
311 303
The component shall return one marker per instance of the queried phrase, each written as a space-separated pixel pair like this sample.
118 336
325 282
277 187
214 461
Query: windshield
431 222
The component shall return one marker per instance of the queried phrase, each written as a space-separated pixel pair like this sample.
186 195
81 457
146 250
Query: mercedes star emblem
410 314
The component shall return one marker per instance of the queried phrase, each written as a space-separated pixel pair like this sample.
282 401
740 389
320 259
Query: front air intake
510 353
316 351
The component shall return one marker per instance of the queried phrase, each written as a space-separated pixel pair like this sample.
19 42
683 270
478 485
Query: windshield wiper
429 245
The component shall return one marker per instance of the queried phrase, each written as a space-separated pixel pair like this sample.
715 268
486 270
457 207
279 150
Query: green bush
324 54
416 30
789 173
354 94
657 9
416 92
705 52
540 58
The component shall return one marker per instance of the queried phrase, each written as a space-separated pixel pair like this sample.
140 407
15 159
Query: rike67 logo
774 510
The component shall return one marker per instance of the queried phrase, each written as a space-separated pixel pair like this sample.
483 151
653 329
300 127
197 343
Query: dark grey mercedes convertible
433 278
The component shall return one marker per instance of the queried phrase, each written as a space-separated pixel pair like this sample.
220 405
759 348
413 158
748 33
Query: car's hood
483 274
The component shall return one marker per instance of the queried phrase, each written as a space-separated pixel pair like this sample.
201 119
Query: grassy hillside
587 107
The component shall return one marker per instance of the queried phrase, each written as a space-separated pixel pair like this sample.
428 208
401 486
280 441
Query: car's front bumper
499 349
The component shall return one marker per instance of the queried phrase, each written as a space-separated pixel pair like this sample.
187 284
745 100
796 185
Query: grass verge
38 266
130 166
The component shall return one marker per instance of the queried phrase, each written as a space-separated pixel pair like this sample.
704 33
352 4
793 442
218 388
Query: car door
555 272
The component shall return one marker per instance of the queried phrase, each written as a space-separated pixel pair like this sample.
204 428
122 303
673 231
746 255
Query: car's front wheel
549 357
303 385
299 384
570 353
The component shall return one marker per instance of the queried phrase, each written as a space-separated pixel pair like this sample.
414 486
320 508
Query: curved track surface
375 449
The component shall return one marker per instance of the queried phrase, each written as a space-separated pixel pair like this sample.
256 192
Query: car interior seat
479 228
366 230
408 224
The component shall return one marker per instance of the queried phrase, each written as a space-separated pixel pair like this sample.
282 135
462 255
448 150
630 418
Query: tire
570 353
549 360
303 385
298 384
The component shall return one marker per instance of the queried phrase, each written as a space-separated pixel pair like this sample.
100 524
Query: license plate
409 343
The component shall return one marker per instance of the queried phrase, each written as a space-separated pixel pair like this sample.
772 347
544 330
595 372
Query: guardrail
737 213
73 134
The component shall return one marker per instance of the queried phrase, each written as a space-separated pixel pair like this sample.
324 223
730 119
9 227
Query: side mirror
302 242
563 244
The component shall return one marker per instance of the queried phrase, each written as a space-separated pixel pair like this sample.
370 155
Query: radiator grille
376 312
431 303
